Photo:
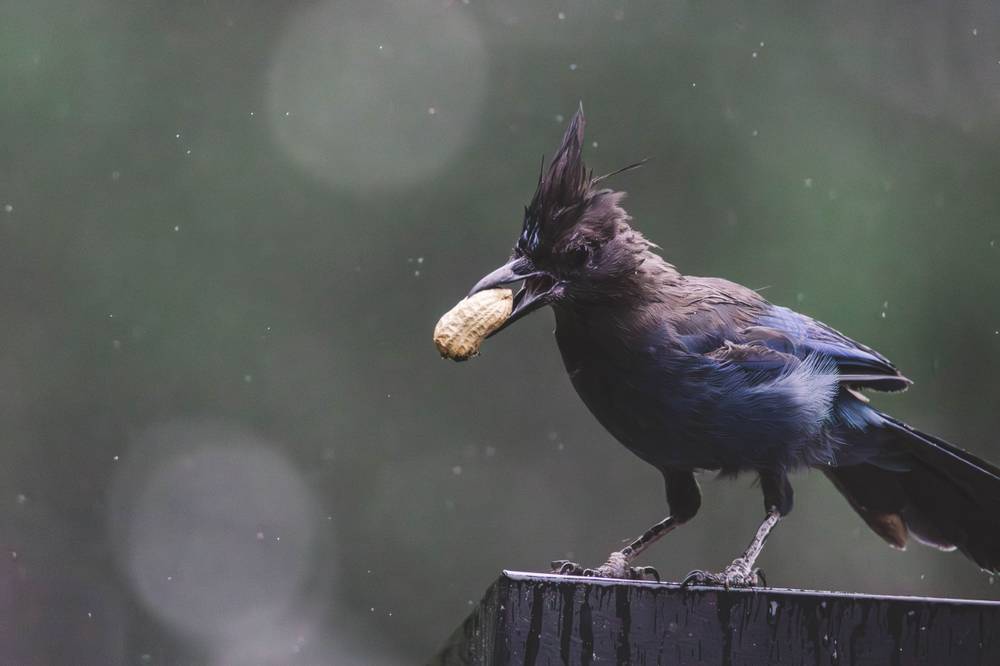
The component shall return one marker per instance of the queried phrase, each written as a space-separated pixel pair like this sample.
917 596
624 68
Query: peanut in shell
461 330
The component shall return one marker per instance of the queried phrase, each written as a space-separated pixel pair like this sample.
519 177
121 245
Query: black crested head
570 218
576 245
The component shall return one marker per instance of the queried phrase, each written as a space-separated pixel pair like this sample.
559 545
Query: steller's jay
695 373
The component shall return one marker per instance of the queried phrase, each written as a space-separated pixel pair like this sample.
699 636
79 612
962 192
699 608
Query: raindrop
753 55
8 208
808 182
572 67
431 111
559 117
457 470
561 16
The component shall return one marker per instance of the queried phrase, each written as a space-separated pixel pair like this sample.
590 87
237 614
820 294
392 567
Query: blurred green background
227 229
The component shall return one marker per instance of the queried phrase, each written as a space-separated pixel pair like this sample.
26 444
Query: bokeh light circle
377 95
215 529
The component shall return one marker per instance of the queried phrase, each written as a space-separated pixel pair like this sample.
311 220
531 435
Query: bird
696 374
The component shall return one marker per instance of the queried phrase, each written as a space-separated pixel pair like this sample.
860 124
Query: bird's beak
538 288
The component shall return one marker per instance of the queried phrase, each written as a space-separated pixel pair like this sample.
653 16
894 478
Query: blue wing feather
788 331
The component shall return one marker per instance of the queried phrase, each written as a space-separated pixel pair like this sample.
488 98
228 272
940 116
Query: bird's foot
737 574
617 566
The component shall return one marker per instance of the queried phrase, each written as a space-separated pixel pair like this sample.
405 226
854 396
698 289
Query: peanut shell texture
461 330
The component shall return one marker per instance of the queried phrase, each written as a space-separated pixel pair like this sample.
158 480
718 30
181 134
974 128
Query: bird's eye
579 256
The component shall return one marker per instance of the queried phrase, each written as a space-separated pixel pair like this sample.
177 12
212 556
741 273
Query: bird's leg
683 497
741 573
619 562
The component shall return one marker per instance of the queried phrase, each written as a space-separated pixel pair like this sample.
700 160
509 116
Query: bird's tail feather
947 497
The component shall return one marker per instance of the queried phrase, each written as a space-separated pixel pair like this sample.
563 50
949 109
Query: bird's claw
617 566
737 574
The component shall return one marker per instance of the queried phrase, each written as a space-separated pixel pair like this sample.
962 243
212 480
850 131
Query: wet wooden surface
546 619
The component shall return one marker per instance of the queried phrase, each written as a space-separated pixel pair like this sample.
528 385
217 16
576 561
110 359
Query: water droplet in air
457 470
561 16
7 208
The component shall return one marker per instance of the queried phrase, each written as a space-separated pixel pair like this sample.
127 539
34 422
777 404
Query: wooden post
537 619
